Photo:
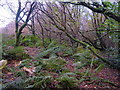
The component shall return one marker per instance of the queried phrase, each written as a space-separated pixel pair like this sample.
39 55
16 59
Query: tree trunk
33 26
119 32
1 46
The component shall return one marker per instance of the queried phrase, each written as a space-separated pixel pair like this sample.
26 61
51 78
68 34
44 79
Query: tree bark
119 32
18 19
98 10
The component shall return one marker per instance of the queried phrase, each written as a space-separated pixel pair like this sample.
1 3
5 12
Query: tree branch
102 9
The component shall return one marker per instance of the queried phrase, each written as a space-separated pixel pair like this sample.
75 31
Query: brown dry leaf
11 78
29 70
17 63
9 73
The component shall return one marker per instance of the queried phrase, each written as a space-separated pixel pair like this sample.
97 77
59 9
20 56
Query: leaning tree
95 7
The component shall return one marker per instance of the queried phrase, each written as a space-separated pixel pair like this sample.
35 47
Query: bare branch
98 10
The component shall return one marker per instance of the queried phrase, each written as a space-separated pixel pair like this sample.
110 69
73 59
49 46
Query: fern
39 81
31 41
50 51
52 44
83 57
69 74
68 51
99 68
54 64
15 53
16 84
82 65
67 82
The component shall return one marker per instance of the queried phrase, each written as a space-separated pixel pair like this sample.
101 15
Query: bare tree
67 26
96 7
42 28
58 16
23 12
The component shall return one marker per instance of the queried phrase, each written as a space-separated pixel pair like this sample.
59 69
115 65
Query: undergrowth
14 53
10 52
50 67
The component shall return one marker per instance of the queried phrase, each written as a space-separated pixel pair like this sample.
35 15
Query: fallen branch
90 48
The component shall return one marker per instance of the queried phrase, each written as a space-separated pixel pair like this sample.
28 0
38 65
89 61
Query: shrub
15 85
39 81
15 53
54 64
31 41
67 82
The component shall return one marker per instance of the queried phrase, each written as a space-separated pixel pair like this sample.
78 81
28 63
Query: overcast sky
6 16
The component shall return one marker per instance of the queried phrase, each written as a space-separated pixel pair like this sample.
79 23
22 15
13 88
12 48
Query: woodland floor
106 73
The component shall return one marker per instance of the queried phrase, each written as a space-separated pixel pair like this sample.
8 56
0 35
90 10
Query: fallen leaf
29 70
